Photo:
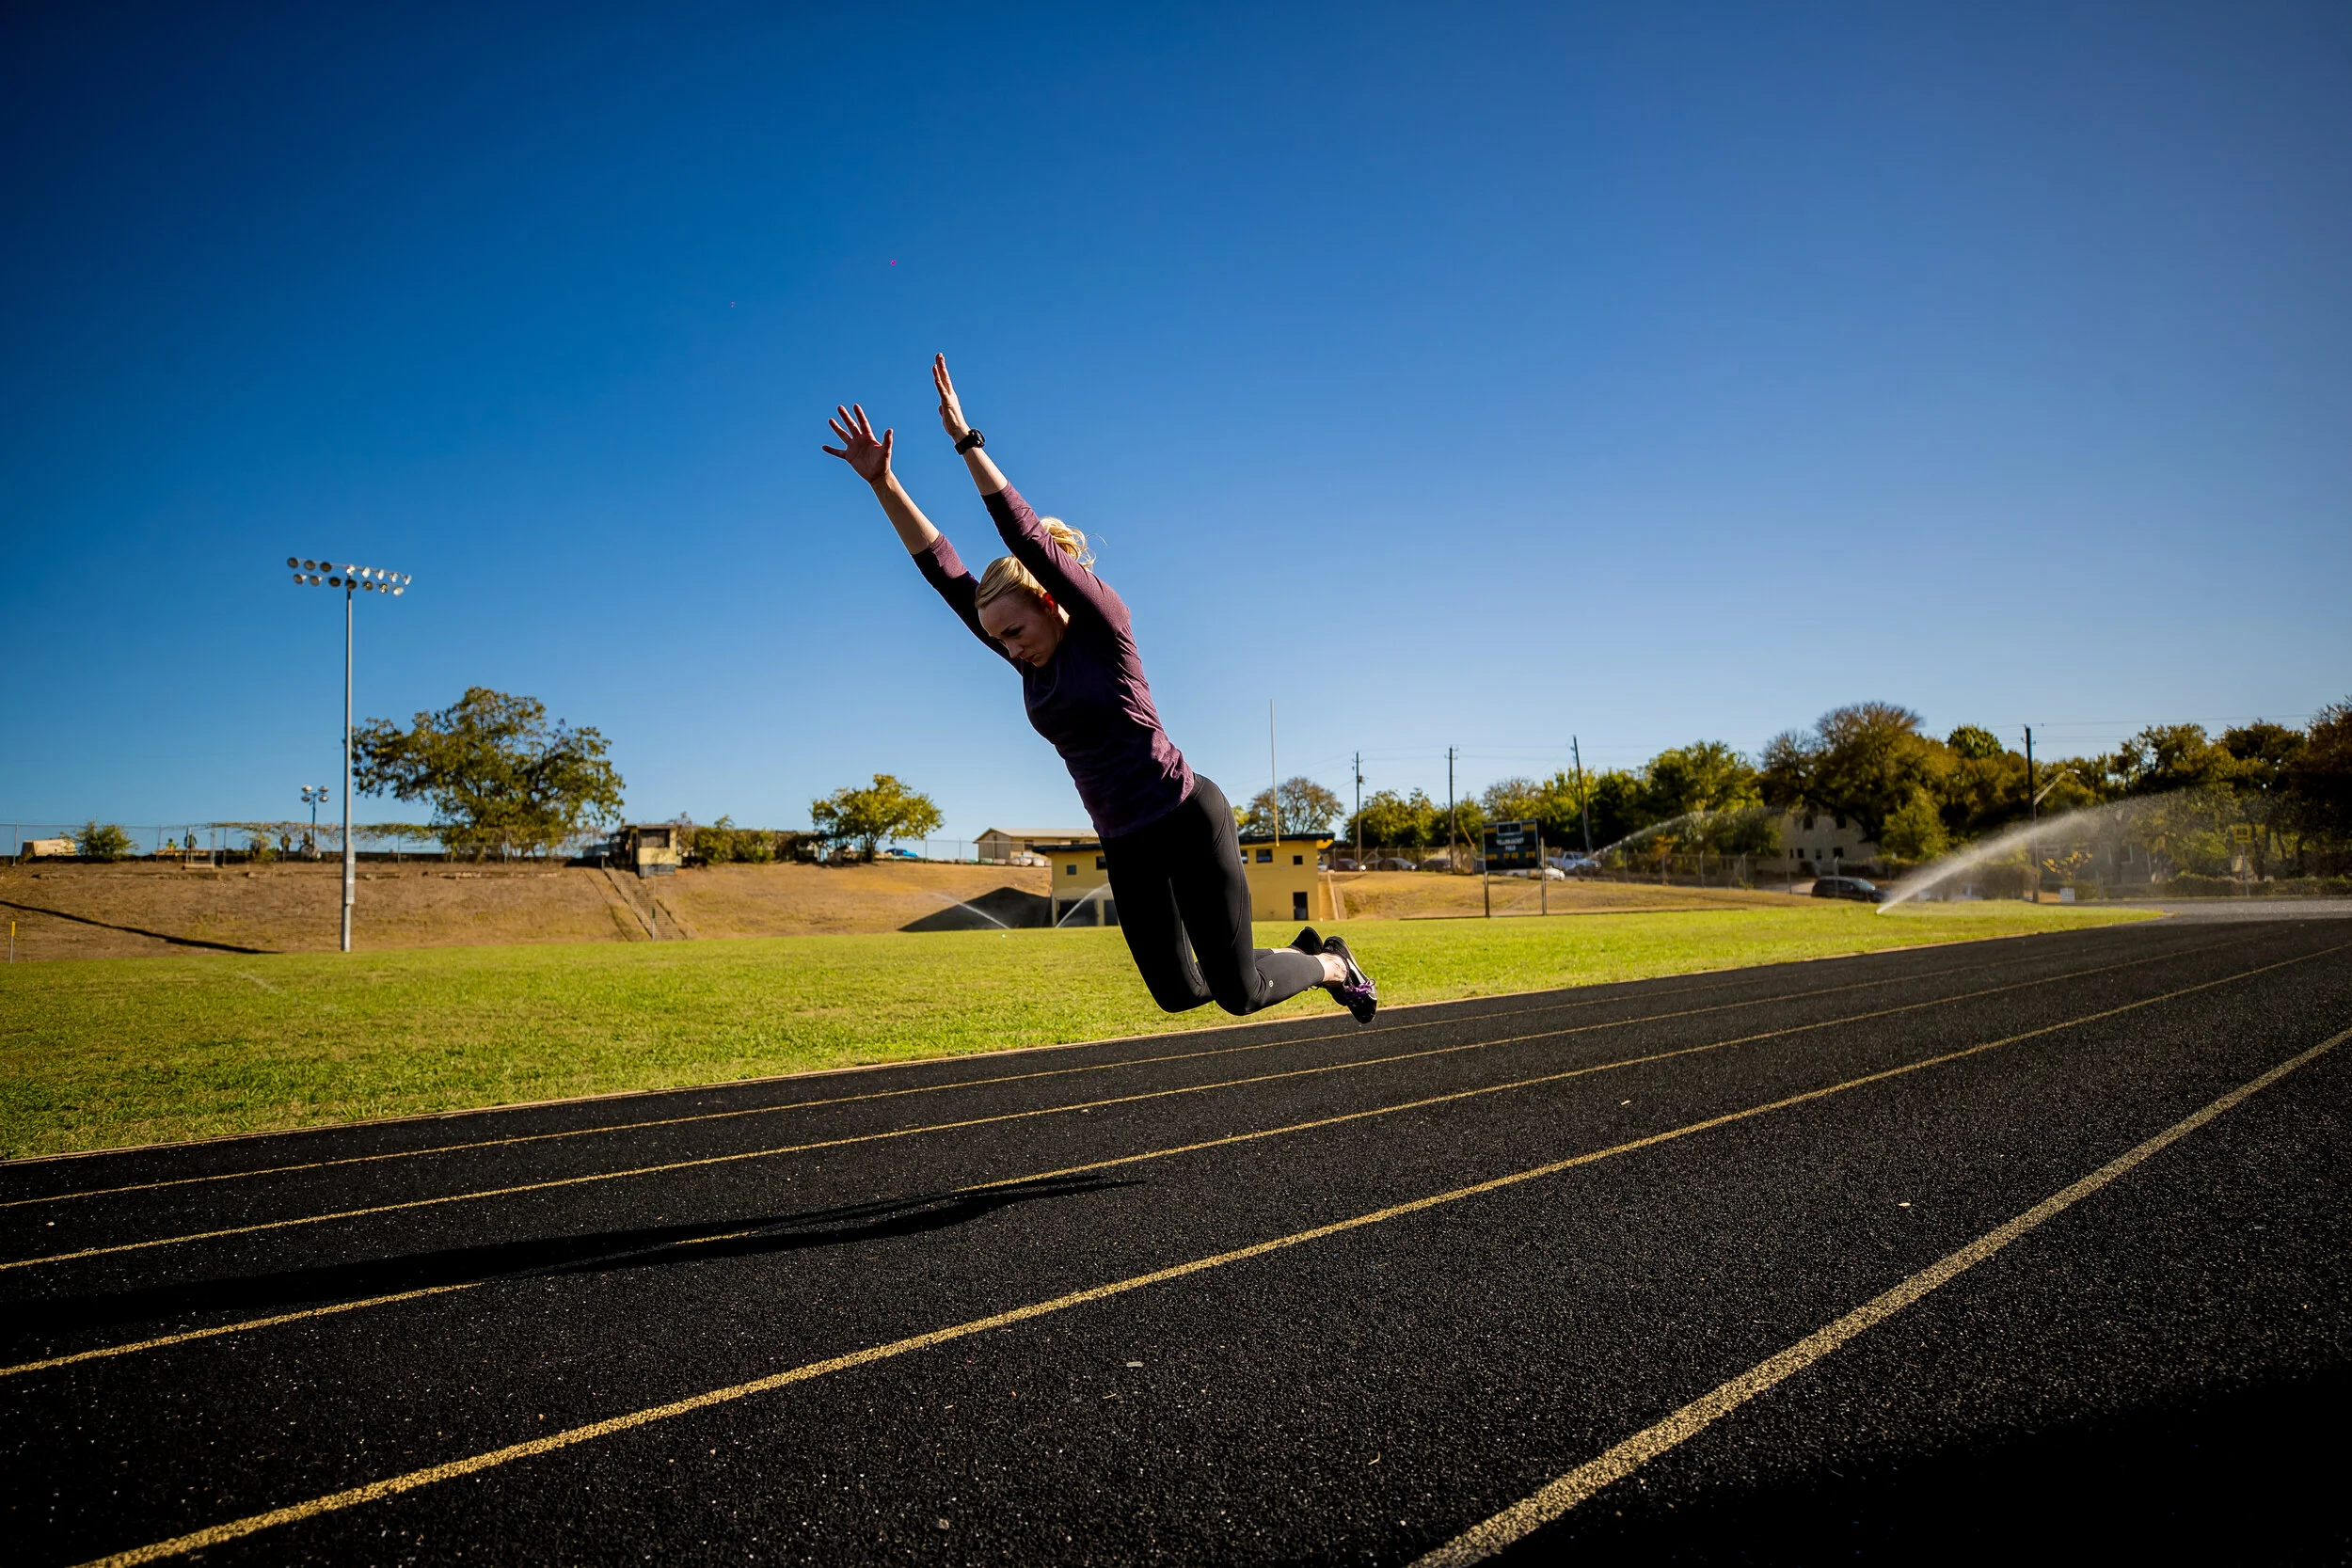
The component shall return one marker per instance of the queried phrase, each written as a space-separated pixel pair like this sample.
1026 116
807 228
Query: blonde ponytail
1006 573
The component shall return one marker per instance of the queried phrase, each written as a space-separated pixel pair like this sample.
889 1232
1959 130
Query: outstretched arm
1087 598
870 457
933 556
984 470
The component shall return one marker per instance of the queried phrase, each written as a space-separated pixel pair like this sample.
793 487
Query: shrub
104 841
1999 882
722 841
2311 887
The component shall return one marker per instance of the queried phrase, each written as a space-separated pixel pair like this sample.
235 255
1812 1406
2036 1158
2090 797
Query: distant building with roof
1289 878
1823 841
998 846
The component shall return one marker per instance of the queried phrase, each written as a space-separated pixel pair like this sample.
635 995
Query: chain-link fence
215 843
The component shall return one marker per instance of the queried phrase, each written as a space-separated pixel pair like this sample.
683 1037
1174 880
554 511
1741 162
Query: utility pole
1583 801
1359 811
2033 820
1451 855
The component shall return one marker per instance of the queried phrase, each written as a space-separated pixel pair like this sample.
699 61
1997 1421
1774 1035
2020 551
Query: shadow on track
2233 1474
650 1246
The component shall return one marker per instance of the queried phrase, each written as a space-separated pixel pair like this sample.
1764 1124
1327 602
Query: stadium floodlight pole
353 580
311 796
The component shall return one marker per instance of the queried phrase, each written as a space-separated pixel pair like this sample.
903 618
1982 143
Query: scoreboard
1514 846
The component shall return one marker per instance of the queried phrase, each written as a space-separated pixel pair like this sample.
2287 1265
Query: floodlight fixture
351 578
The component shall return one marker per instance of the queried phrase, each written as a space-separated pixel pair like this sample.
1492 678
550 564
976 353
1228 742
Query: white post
350 864
1273 782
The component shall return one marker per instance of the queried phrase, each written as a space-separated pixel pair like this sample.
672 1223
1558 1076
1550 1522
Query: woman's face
1025 625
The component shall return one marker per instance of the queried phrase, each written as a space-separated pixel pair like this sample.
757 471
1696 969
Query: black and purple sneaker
1357 993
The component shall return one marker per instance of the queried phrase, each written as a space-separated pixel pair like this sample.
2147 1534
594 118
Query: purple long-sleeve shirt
1091 699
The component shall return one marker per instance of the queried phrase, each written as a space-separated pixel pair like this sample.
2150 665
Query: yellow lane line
333 1310
133 1347
248 1324
707 1160
392 1486
937 1089
1493 1535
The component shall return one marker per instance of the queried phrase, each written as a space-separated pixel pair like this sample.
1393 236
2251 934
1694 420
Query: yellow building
1287 881
1082 882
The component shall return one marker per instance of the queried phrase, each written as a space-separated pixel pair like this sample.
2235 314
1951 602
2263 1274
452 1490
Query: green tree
104 841
1915 831
1559 806
1513 800
1307 809
1863 761
1705 776
1469 821
2262 755
724 842
1974 742
2319 776
1617 809
1394 821
498 776
2165 757
865 816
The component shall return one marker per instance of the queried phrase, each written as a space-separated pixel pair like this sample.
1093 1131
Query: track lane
93 1183
100 1245
314 1291
1554 1502
2144 1381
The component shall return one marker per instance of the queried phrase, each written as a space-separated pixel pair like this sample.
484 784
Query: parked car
1849 887
1395 862
1576 865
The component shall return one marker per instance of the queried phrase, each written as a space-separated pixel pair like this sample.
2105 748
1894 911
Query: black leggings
1183 902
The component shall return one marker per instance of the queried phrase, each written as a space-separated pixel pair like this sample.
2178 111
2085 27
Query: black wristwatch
970 438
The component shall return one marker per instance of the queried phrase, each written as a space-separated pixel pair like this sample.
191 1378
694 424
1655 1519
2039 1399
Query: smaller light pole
353 580
311 796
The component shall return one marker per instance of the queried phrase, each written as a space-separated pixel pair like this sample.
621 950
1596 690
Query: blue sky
1445 377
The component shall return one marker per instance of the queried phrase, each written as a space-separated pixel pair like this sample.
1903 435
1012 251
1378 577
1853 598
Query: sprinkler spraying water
960 904
2101 850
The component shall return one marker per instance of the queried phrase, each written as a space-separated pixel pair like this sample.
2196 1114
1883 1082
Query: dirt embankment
138 909
66 911
1431 896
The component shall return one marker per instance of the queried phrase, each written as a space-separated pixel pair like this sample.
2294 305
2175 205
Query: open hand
859 449
950 411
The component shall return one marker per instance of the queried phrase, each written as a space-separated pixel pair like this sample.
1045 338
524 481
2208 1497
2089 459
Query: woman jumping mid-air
1167 833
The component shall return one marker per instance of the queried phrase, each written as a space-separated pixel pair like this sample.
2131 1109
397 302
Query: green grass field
106 1052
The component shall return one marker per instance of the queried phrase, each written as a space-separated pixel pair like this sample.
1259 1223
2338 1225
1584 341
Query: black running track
942 1312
